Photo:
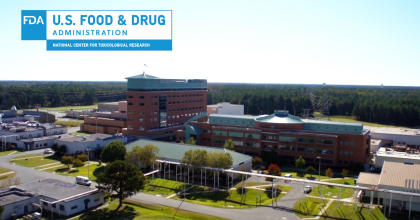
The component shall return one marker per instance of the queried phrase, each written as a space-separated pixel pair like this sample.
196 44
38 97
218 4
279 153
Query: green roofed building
174 152
288 136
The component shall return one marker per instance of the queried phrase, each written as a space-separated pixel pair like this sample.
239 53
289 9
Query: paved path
7 173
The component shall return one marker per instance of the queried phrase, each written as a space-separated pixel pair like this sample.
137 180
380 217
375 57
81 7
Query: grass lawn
303 176
351 119
28 155
70 123
4 153
329 192
36 161
310 208
131 210
247 184
4 170
346 211
234 198
64 108
163 187
94 170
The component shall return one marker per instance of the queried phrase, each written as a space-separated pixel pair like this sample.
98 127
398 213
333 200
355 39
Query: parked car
288 175
307 189
48 151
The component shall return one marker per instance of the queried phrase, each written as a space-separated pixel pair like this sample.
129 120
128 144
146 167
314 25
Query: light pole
88 149
319 169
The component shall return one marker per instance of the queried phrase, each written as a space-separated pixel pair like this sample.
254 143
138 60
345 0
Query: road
282 211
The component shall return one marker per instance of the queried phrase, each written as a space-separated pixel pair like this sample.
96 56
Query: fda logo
34 25
32 20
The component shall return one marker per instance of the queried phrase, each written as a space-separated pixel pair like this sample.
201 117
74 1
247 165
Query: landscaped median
252 196
35 160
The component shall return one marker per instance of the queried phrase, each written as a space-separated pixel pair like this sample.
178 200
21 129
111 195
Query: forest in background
389 105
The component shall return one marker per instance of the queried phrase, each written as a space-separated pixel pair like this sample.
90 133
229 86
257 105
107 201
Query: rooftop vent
281 113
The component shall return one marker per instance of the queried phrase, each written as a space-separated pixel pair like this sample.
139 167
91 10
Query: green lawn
235 199
309 207
64 108
70 123
4 170
329 192
4 153
81 133
36 161
94 170
351 119
347 211
131 210
163 187
303 176
28 155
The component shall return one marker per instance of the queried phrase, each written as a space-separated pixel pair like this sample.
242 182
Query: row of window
62 207
304 140
236 134
182 109
169 96
187 101
347 143
346 152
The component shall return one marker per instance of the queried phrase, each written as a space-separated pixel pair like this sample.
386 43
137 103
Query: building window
306 149
286 147
54 205
217 141
341 142
130 96
324 151
130 103
236 134
130 128
346 143
352 143
222 133
306 140
329 142
130 119
341 152
290 139
141 119
346 152
141 97
96 200
141 112
74 207
130 112
141 104
62 207
45 203
45 144
238 143
155 119
351 153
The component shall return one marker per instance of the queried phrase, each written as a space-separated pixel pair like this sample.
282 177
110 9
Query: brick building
158 107
337 143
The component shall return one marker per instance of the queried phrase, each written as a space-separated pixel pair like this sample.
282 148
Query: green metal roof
175 152
143 76
333 126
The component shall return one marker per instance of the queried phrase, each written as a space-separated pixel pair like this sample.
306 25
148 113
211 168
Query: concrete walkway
7 173
320 213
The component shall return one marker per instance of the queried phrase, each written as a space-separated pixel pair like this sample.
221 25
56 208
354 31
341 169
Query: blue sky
308 42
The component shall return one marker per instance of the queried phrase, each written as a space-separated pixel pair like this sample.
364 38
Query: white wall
80 203
408 139
18 208
72 147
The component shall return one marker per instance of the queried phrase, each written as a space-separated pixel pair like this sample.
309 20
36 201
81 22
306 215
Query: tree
181 142
1 211
300 162
191 141
329 173
310 170
54 147
274 170
125 178
134 155
62 149
67 160
256 161
344 173
82 157
113 151
78 163
148 154
229 145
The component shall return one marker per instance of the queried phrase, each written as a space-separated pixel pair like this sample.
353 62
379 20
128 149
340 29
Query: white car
48 151
307 189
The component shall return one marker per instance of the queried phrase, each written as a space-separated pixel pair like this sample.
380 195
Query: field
133 210
67 108
329 192
36 161
351 119
234 198
163 187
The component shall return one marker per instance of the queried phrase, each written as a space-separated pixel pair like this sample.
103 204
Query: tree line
389 105
392 106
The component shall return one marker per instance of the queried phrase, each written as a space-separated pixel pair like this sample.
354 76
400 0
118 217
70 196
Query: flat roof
88 137
175 151
381 152
9 196
54 189
390 130
310 121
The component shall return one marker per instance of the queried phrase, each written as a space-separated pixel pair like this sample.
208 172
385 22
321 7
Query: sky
298 42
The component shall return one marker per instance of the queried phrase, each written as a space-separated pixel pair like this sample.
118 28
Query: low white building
31 136
391 155
79 114
95 142
404 177
225 108
60 197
